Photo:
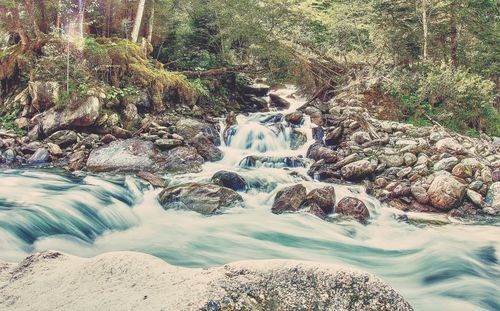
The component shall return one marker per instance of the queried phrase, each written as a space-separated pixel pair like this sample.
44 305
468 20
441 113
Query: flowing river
436 267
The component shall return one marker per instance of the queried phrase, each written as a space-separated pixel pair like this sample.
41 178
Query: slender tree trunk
58 18
23 35
453 39
43 17
81 18
425 27
28 4
151 22
138 20
109 6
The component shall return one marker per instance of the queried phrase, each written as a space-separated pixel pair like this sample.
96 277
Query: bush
456 98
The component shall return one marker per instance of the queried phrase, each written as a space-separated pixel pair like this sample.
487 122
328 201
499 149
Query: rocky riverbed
414 169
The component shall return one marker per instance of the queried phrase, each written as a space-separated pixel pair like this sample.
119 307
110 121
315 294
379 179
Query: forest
422 61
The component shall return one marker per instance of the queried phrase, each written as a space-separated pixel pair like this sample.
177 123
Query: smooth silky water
448 267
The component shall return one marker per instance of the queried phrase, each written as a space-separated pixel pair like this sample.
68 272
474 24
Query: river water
436 267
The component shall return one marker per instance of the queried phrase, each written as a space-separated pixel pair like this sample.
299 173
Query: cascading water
450 267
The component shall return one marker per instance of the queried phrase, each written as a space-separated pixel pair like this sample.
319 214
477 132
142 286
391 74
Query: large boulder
206 199
83 115
131 155
319 152
450 145
445 192
357 170
289 199
353 207
183 160
230 180
324 198
135 281
206 148
257 89
43 94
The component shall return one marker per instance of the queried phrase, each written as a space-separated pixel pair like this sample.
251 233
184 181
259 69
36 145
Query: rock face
324 198
289 199
353 207
56 281
129 155
446 192
230 180
206 199
183 160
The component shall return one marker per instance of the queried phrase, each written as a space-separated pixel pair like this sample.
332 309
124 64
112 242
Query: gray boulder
206 148
183 160
131 155
324 198
43 94
357 170
206 199
230 180
40 156
63 138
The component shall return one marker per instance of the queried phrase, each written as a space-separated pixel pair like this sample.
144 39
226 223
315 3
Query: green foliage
114 93
7 121
458 99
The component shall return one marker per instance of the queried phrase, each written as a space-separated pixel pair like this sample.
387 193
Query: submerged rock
129 155
289 199
53 281
206 199
273 162
353 207
230 180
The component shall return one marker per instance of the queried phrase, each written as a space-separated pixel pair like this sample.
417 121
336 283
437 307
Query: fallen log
212 72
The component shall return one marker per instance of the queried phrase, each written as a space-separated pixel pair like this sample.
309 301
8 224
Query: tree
138 20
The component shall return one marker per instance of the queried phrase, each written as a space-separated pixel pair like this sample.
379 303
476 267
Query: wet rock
289 199
63 138
353 207
324 198
315 115
154 180
39 157
361 137
272 162
10 156
357 170
230 180
295 118
445 192
206 148
122 155
446 164
167 144
333 137
297 139
318 133
76 161
279 102
183 160
43 94
315 210
318 152
206 199
253 103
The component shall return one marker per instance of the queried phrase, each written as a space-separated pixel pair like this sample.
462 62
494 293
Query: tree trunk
28 4
43 17
453 39
425 27
23 35
138 20
151 22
